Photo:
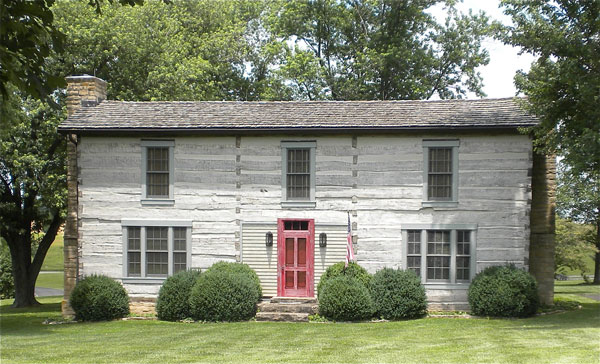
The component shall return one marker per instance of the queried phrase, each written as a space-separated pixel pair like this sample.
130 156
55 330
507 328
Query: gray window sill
298 204
143 280
440 203
439 285
163 202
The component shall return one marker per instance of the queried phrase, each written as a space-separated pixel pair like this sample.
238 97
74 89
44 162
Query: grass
54 258
569 337
50 280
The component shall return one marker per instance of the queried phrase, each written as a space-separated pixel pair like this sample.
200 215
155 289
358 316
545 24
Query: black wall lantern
322 240
269 239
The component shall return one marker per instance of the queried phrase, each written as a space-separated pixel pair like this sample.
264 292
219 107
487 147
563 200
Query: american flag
349 248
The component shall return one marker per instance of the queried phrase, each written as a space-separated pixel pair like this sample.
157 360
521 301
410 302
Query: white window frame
453 228
312 147
439 143
170 200
143 224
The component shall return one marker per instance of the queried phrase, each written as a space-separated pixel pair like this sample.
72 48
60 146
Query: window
440 254
155 249
440 177
298 174
157 171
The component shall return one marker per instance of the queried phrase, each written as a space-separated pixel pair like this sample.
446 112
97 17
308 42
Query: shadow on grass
585 318
21 321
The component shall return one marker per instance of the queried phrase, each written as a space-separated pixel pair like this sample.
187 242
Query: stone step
309 308
293 300
282 316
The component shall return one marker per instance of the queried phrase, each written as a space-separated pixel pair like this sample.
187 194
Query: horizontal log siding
229 187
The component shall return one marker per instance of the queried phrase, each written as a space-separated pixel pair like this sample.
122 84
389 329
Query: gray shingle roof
297 115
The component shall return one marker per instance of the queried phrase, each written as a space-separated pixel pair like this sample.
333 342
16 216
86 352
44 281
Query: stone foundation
142 306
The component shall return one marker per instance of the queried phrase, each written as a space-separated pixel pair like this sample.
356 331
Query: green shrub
219 295
173 297
7 284
98 298
238 268
338 269
503 291
345 298
398 294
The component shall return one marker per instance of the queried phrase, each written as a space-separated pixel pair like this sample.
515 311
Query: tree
574 246
578 199
563 91
32 180
386 50
27 37
183 51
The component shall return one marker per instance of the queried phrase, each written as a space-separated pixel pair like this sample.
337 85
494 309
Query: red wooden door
295 256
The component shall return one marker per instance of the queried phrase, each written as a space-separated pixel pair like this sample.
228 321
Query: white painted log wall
221 185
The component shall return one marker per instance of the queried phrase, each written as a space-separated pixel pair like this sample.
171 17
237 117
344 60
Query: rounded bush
238 268
338 269
398 294
345 298
503 291
173 297
223 296
99 298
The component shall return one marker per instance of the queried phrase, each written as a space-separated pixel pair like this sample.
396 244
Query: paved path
594 296
45 292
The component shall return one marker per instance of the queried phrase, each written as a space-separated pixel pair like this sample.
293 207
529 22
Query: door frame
310 255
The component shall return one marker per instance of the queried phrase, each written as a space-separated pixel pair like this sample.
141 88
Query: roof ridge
316 101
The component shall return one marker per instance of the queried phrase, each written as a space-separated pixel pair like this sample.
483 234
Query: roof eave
194 130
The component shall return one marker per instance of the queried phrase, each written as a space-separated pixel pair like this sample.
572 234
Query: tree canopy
563 90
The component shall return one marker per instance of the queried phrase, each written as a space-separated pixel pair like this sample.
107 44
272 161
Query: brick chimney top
84 91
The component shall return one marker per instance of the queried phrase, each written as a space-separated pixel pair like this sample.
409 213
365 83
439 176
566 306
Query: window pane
438 268
157 184
414 264
157 263
301 252
133 264
133 238
289 251
440 160
179 262
179 239
289 279
301 279
157 238
158 159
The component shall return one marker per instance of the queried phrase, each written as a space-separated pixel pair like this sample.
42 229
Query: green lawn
570 337
54 257
50 280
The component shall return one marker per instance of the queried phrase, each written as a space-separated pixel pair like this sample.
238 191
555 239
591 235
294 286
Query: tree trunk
597 265
26 270
21 264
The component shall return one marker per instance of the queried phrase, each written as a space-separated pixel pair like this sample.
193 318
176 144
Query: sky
504 60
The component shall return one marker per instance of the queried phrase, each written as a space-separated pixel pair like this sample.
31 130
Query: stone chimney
82 91
542 239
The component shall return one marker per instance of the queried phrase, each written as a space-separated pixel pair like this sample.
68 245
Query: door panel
295 249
